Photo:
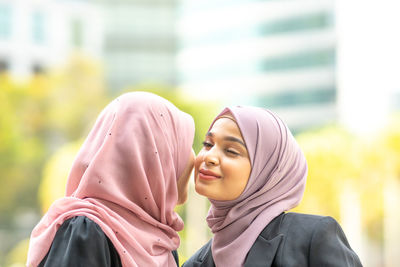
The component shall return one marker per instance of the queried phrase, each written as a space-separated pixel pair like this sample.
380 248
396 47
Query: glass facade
275 54
5 21
139 43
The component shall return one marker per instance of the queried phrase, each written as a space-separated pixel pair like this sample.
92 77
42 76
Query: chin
201 190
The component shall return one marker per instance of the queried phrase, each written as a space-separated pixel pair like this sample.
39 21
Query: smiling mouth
208 175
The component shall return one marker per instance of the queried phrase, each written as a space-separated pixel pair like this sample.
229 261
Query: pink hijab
276 184
124 178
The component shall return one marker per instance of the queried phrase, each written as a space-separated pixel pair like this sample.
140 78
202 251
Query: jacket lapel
262 253
204 258
264 249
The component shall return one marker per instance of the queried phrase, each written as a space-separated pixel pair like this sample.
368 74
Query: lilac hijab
276 184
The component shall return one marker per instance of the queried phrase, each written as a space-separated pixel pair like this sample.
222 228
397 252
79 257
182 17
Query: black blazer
80 242
293 239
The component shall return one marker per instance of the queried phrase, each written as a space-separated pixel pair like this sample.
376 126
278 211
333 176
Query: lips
208 175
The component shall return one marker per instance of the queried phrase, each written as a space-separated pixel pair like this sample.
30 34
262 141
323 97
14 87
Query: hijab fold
276 184
124 178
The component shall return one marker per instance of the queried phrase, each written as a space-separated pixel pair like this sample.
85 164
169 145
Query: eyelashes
232 152
208 145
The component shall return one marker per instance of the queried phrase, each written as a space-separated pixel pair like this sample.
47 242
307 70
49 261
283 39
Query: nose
211 157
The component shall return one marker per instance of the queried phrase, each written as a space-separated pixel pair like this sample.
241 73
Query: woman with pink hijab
125 182
253 171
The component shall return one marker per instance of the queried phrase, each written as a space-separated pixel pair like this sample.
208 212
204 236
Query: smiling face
222 167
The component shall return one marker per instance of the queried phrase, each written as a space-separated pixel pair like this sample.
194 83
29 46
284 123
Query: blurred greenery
55 173
17 256
339 160
37 116
21 152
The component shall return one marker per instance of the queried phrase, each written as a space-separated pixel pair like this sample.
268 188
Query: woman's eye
232 152
207 144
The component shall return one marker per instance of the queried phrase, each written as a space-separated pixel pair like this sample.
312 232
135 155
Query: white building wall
368 62
22 51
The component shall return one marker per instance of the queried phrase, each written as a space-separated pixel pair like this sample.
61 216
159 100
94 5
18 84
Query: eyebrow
229 138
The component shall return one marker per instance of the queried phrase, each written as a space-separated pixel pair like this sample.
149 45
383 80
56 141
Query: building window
299 97
38 32
304 59
5 21
294 24
298 24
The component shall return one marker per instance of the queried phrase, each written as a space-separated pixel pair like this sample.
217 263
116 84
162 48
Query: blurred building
39 34
276 54
134 39
139 42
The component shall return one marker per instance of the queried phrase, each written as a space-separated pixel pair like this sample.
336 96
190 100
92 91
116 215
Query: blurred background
329 68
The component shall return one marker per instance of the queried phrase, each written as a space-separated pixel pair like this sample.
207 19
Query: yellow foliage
78 94
18 255
331 155
55 175
339 161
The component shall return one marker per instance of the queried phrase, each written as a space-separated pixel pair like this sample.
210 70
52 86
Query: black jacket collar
264 249
269 238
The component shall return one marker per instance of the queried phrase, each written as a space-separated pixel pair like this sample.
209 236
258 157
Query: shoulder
306 218
308 227
307 222
80 242
81 229
287 223
78 225
321 238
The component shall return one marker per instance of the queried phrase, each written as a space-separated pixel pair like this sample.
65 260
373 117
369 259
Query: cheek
197 161
245 174
239 173
245 171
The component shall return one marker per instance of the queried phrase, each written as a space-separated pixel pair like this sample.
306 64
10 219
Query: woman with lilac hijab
124 184
253 171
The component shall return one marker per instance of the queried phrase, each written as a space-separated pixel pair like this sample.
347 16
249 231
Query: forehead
226 126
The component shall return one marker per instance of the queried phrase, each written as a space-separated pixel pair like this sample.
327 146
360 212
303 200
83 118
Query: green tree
55 174
36 117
